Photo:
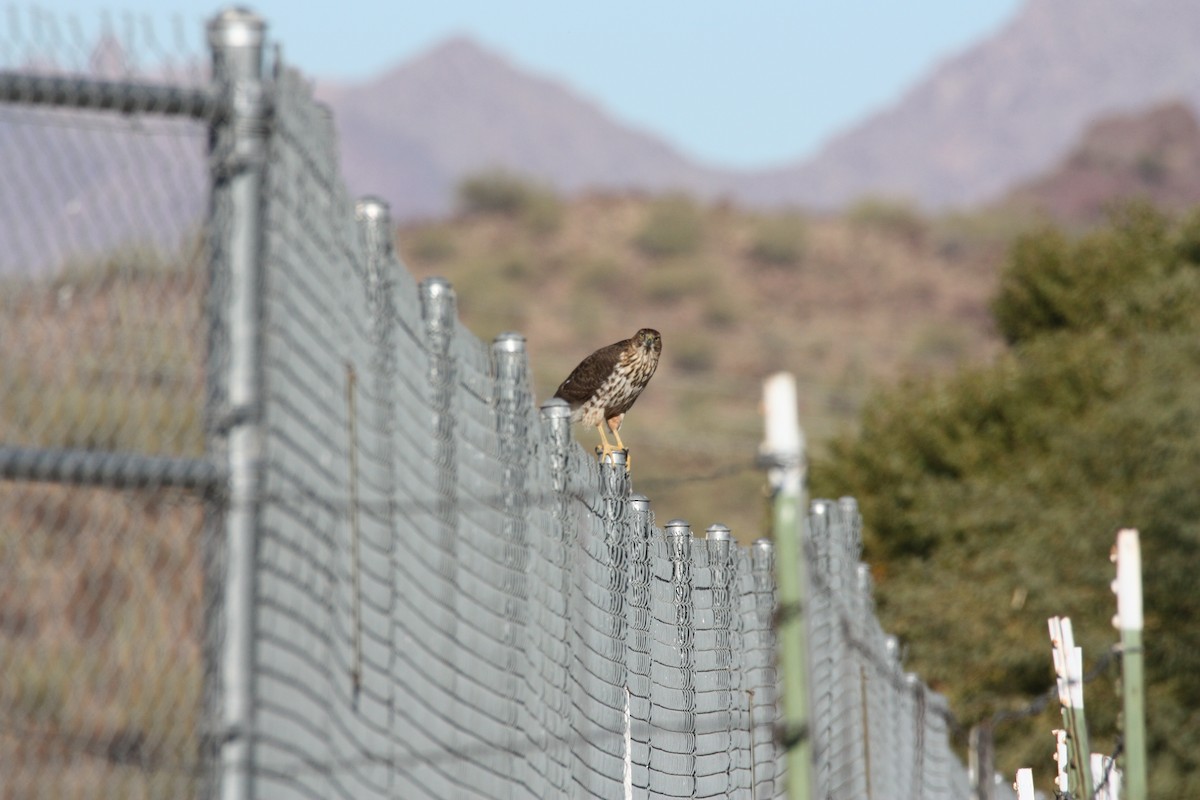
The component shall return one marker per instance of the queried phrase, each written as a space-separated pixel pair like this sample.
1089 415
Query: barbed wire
727 471
1110 766
1036 705
1042 700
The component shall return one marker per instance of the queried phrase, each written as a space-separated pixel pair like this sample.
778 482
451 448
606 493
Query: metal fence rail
275 524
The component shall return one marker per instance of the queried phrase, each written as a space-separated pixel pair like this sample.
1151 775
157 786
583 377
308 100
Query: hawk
605 384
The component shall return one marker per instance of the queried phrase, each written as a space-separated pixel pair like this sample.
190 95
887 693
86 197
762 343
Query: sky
748 84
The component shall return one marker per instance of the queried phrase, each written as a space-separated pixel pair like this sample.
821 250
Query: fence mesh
295 532
876 730
101 373
454 600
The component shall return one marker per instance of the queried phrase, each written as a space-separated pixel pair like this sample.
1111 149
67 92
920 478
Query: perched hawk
605 384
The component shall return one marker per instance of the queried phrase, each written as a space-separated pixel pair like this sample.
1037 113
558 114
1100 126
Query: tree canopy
991 498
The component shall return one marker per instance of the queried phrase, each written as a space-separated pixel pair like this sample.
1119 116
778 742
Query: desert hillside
841 301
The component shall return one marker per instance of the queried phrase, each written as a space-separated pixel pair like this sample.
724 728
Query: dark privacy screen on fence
275 524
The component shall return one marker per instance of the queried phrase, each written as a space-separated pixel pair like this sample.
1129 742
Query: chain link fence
448 600
877 731
274 524
102 611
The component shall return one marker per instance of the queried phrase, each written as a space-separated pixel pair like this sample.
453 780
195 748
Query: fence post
762 683
1128 556
556 635
439 310
673 674
724 678
783 451
373 218
513 406
237 149
638 658
600 666
1062 762
981 765
1024 784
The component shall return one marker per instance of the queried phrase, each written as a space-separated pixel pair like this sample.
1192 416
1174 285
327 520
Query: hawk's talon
602 455
614 425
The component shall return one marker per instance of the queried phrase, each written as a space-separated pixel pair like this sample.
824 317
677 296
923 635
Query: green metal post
1128 586
783 451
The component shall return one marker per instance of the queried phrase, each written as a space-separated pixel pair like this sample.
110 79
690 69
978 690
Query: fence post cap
556 408
236 26
509 342
762 555
864 579
892 646
718 532
639 502
617 458
436 286
370 207
678 527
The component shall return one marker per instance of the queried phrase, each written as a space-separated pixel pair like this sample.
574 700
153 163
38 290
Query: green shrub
892 216
779 241
959 233
1009 479
1053 283
493 293
675 280
693 355
432 245
494 192
674 227
600 275
940 343
504 193
543 213
720 310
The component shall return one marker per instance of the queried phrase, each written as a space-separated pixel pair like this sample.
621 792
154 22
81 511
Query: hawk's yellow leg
614 425
606 447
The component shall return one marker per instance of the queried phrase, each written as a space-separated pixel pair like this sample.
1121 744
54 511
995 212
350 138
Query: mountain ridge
445 96
980 121
1153 156
1011 105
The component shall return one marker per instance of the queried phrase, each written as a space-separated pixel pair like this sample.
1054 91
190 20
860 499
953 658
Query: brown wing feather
587 378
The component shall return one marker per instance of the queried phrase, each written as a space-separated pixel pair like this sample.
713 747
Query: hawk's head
648 340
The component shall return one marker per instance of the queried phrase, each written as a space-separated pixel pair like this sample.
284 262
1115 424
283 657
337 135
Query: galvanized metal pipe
239 144
92 94
113 470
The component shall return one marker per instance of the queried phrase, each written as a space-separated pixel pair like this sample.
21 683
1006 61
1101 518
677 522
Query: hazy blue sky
749 84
